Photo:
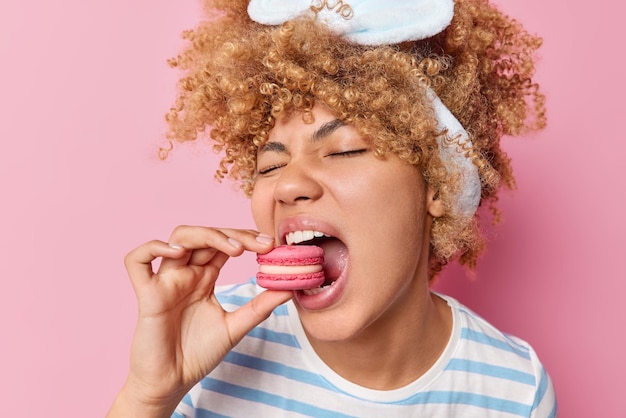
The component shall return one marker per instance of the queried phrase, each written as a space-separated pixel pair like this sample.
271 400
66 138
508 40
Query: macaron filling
274 269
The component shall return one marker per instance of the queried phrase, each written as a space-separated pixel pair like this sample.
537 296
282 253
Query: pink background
83 88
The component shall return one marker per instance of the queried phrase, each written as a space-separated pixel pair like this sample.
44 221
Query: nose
297 184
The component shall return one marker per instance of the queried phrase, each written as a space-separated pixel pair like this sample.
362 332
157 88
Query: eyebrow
321 133
326 129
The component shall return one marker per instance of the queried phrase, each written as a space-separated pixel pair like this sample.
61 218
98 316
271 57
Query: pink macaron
291 267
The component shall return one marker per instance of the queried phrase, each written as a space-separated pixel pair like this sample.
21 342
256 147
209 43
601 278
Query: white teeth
315 291
311 292
296 237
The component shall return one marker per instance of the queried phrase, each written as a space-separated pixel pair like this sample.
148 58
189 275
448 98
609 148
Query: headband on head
387 22
365 22
452 151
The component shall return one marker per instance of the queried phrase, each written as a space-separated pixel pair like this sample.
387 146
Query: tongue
335 258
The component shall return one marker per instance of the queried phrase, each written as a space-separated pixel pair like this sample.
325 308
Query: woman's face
323 178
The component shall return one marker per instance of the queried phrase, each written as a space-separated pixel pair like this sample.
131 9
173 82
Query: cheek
261 204
397 207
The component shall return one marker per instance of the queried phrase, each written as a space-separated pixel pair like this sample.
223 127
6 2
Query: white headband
365 22
386 22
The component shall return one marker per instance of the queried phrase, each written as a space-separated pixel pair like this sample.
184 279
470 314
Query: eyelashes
349 153
269 169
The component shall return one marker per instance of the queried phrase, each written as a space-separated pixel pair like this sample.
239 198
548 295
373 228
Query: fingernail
264 239
234 243
175 246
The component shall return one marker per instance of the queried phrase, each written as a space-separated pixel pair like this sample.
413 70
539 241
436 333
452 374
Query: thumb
241 321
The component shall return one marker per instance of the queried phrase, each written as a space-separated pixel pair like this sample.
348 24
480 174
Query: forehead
302 121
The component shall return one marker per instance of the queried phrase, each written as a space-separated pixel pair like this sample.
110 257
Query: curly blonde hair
239 76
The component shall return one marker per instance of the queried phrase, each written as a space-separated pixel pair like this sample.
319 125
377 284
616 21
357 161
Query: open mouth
335 255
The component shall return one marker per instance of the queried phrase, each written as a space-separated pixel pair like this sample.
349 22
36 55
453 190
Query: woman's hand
182 331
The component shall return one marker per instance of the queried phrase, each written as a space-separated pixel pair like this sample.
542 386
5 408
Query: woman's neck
392 352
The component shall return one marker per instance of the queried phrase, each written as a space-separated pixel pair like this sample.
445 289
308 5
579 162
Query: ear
434 205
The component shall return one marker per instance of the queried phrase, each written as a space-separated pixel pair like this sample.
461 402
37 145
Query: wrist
132 402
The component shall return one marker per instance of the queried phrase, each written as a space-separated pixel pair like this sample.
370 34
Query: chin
330 327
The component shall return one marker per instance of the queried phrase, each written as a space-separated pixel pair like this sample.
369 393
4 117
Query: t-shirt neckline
317 365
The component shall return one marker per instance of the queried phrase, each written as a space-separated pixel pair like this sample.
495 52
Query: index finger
227 240
138 262
204 243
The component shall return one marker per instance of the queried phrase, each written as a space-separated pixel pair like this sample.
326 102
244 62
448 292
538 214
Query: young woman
373 130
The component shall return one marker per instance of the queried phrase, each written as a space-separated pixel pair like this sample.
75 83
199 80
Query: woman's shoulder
505 360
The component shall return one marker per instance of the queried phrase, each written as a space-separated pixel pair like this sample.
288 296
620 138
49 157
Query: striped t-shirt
274 372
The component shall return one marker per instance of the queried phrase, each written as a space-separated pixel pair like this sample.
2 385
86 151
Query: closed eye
349 153
269 169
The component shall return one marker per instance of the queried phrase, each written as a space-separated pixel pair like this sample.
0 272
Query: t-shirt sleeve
545 405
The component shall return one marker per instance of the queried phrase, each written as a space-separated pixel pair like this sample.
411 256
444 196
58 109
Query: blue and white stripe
273 372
